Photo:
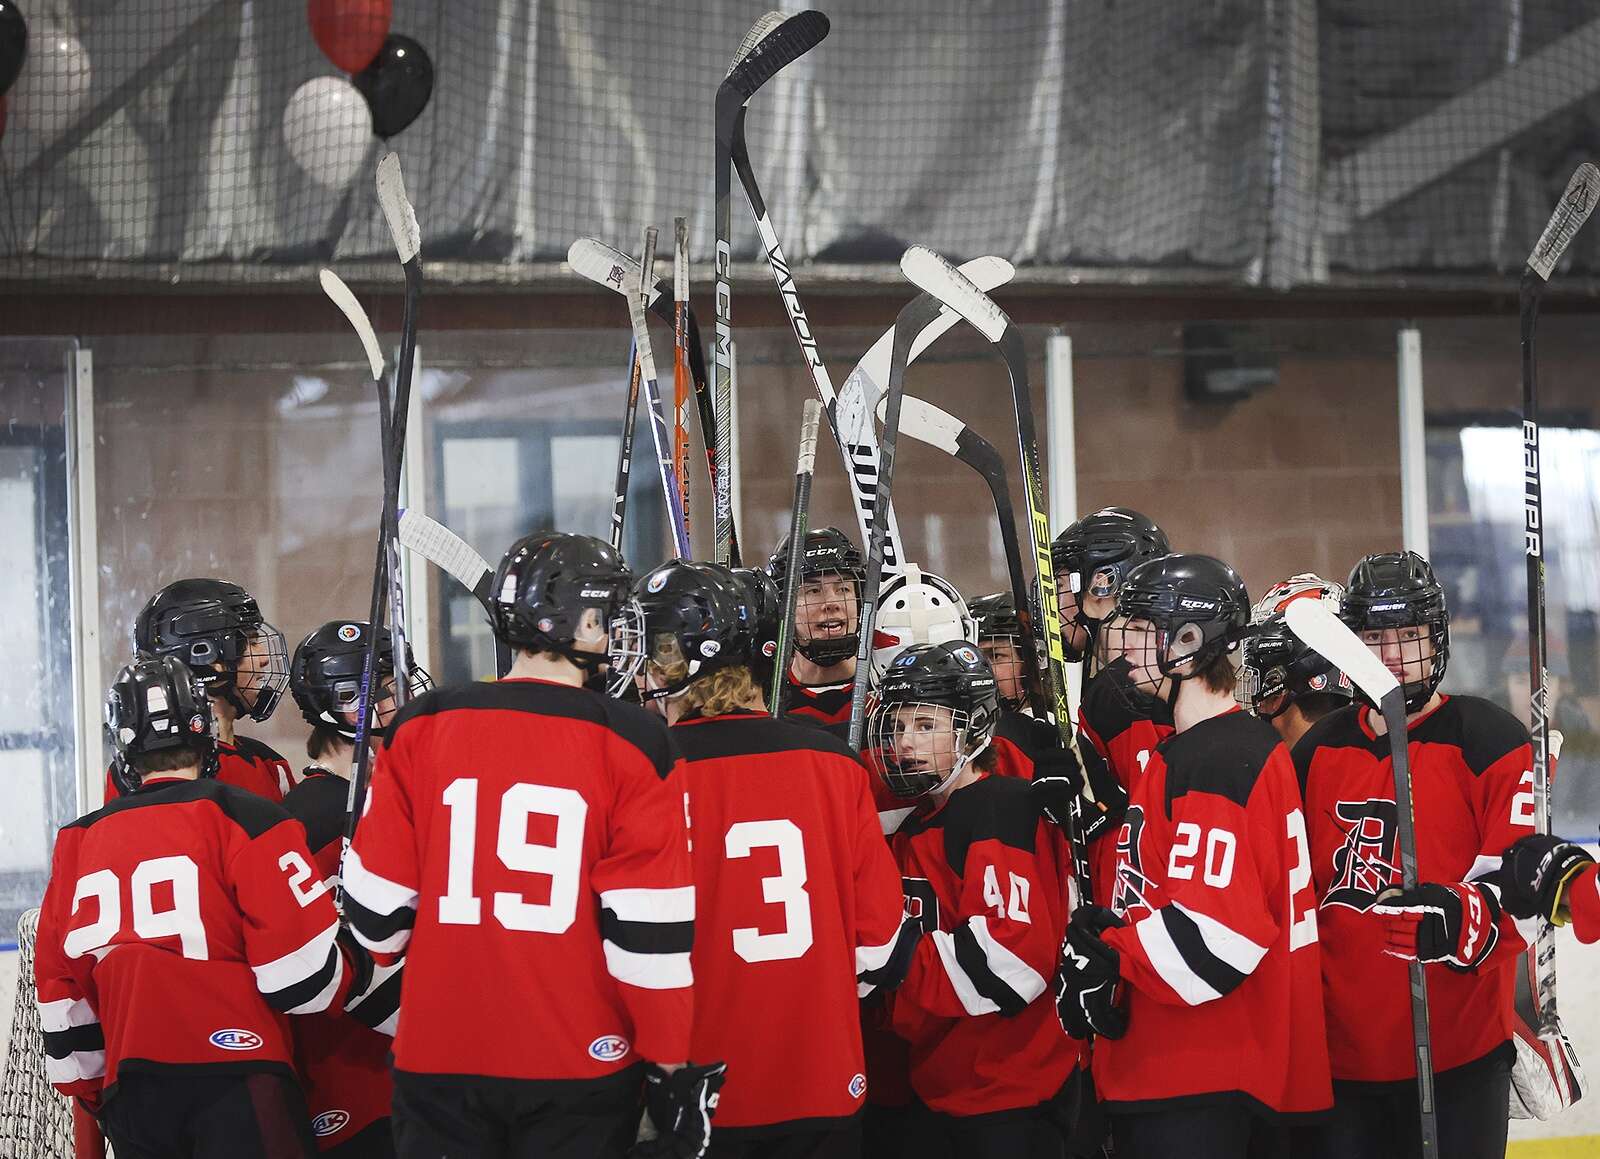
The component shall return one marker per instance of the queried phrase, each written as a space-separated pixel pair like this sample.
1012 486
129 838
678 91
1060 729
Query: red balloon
350 32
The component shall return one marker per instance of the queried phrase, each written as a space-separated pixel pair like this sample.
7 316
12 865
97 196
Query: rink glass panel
38 754
1473 390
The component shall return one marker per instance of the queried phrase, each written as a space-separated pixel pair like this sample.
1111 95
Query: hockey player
1472 796
1090 558
797 897
1282 680
524 847
180 923
1203 976
216 628
989 880
343 1056
765 606
917 607
1543 876
827 625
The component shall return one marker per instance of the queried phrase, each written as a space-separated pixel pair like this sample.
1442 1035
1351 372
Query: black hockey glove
357 957
1088 979
1057 788
1456 924
1534 875
680 1106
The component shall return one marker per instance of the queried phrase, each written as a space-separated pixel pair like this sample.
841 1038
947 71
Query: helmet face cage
261 676
626 655
1418 654
920 746
344 697
1397 607
1008 659
827 617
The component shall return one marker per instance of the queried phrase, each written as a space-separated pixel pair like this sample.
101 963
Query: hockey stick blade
1328 636
447 551
397 209
609 267
781 47
929 271
342 296
1577 203
928 424
758 32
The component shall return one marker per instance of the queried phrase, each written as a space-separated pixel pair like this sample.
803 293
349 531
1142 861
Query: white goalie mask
917 607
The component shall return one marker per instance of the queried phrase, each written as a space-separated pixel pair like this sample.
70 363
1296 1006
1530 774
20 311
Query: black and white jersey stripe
1195 954
381 912
884 967
305 980
647 935
987 977
74 1042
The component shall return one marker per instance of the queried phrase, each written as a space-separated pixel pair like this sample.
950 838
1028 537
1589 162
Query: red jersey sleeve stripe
305 980
987 977
886 965
1199 957
381 912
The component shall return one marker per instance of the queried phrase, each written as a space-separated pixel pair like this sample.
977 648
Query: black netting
1275 142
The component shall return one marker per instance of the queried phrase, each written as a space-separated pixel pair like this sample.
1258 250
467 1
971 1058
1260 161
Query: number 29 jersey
1219 955
524 848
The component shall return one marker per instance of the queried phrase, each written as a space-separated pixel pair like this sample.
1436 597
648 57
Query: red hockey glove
1456 924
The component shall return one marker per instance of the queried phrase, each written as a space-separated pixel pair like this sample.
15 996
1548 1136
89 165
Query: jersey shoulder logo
1364 865
232 1038
608 1048
1131 885
330 1123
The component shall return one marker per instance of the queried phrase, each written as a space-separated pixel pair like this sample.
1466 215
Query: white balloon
53 86
327 129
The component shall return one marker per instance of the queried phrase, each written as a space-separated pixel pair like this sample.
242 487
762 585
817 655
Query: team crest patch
966 654
709 648
1318 682
197 724
608 1048
349 633
657 582
330 1123
234 1039
858 1086
769 649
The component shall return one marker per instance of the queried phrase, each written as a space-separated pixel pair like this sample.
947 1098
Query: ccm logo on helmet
608 1048
1204 605
232 1039
330 1123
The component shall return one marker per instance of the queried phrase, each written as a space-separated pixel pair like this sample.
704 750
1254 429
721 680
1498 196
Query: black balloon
397 84
13 44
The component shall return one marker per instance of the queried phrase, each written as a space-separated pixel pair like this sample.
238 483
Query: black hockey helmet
936 709
828 551
545 588
325 676
1278 663
996 615
216 628
1398 590
693 617
997 619
763 607
1093 556
1198 608
154 704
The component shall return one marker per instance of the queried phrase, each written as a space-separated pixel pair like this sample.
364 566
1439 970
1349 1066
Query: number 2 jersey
1472 796
524 847
1219 956
798 911
990 881
179 926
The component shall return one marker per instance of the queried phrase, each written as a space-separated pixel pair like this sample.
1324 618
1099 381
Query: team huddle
617 902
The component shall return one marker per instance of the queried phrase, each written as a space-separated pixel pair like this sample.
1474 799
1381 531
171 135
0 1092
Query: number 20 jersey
524 847
798 912
1219 956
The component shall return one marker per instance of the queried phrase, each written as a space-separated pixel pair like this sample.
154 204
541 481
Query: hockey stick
402 222
1577 203
915 315
938 277
451 554
609 267
1325 634
769 45
671 495
630 411
680 365
805 466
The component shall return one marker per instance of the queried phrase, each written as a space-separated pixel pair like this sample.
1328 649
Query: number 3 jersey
1219 957
524 848
990 882
1472 796
179 925
798 912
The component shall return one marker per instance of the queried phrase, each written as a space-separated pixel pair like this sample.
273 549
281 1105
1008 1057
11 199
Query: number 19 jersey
524 848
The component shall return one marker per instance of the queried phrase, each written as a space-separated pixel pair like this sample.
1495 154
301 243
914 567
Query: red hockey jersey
1124 726
1472 795
822 704
797 913
247 763
1219 956
343 1054
537 832
989 880
179 926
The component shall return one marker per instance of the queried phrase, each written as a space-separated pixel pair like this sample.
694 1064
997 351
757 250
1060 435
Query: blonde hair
725 690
